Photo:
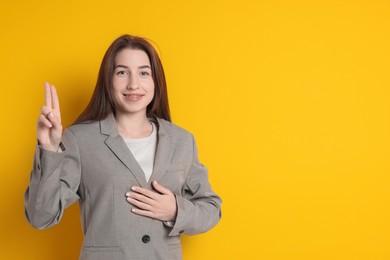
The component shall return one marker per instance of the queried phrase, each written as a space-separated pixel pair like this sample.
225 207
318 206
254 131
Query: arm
196 211
199 209
54 182
56 175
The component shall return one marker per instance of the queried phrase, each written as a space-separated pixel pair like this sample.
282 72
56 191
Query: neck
133 126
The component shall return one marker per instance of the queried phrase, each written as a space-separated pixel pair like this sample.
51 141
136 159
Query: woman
135 174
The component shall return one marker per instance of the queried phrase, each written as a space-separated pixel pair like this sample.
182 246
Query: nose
132 83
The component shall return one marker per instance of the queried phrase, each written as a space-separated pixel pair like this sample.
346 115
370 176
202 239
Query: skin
133 76
49 128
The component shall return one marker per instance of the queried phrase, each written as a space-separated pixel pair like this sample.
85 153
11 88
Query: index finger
48 95
145 192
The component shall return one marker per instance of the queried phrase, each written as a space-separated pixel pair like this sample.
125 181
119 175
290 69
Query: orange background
288 100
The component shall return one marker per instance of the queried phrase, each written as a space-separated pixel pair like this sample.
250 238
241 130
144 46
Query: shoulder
85 128
174 130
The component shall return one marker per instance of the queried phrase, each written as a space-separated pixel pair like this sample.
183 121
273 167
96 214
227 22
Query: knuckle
41 120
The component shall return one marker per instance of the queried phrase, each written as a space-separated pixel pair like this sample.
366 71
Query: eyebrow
140 67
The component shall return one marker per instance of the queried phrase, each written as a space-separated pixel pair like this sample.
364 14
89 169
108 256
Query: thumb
160 188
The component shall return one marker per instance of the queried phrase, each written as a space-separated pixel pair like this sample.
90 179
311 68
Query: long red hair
102 102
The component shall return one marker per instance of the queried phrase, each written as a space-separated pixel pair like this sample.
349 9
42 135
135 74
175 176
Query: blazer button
146 239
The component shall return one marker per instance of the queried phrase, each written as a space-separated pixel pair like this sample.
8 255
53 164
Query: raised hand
49 128
159 204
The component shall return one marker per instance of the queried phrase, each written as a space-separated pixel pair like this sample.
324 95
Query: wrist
49 147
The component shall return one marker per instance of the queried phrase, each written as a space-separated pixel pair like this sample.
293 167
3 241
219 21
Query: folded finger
45 110
43 121
51 117
54 120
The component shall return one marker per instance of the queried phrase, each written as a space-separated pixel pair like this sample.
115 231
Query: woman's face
133 85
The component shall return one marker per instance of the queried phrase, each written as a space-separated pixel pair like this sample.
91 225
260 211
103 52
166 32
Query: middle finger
48 98
141 198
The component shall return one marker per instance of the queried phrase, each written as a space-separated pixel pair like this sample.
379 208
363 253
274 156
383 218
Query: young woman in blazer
136 175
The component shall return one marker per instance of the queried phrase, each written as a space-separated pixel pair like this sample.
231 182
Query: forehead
132 57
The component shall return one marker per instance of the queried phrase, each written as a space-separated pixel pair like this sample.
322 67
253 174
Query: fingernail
128 194
134 188
51 115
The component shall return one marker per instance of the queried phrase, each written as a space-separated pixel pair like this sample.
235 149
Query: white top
144 150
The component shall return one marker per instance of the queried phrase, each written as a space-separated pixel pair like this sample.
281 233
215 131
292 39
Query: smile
133 97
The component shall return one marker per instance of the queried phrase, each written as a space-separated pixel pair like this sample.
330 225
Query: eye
144 73
121 73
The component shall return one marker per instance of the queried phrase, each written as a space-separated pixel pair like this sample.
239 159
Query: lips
133 97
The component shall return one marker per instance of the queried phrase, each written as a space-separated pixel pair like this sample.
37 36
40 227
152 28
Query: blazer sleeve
199 207
54 182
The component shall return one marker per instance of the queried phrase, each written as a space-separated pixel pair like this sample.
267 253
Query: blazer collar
108 126
164 150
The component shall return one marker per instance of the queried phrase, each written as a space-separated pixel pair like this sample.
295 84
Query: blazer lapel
117 145
164 151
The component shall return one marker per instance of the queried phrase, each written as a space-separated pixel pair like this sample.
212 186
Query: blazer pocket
176 167
174 252
102 248
100 253
174 179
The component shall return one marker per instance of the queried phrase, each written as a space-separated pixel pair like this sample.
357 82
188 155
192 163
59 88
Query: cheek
151 92
152 87
116 85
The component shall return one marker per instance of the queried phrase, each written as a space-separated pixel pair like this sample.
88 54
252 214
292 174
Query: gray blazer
96 168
